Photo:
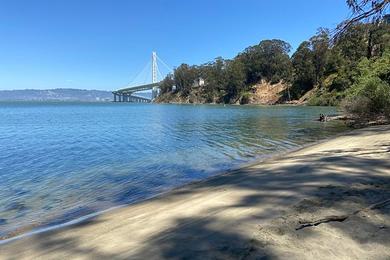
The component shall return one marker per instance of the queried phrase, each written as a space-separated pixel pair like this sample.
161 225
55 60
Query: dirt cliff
265 93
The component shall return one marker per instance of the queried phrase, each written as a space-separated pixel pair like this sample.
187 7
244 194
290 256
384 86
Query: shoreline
37 228
189 194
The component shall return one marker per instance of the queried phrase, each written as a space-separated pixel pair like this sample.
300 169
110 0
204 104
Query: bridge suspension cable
151 71
165 65
129 93
142 76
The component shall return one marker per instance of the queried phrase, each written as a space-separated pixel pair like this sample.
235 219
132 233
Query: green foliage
310 63
235 81
370 94
304 70
228 80
269 60
184 78
245 98
326 99
215 75
349 61
359 41
355 65
353 43
320 48
167 84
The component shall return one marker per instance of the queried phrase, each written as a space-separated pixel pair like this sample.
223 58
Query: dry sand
251 213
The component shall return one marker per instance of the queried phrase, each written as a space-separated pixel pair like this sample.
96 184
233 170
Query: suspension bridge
129 93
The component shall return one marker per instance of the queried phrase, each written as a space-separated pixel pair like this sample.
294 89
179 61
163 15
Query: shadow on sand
317 186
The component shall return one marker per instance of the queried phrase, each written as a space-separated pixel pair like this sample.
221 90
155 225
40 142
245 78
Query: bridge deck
126 94
136 88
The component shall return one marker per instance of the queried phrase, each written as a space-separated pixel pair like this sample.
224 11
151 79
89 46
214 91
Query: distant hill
59 94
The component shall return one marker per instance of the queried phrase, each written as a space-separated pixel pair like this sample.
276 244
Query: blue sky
103 44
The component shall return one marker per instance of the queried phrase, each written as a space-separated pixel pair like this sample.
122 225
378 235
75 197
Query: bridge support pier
128 97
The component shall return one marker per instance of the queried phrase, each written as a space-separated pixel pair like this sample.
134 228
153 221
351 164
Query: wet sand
250 213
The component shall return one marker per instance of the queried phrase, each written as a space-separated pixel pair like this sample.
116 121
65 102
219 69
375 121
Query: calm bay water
59 161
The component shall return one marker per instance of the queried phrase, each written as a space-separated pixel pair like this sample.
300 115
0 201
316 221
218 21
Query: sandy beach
326 201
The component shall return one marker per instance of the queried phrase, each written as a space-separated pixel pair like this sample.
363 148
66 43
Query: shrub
358 106
369 96
326 99
245 98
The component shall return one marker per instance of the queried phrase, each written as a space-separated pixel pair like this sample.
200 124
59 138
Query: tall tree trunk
369 46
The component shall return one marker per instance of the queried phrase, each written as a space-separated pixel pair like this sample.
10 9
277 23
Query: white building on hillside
199 82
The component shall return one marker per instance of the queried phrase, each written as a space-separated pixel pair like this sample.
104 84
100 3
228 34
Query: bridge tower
154 67
154 74
126 94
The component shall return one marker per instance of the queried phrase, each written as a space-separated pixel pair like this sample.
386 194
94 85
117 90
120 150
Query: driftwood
374 206
340 218
322 220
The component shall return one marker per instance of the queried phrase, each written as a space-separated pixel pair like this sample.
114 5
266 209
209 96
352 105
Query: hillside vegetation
352 69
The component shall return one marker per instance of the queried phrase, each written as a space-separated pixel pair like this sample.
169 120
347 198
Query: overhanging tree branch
361 11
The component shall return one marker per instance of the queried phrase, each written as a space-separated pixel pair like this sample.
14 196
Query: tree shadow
272 199
55 242
319 188
196 238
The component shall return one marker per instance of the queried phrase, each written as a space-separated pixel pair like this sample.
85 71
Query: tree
167 84
369 10
320 47
235 81
269 60
330 66
184 76
214 74
379 38
304 70
358 41
369 96
353 42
